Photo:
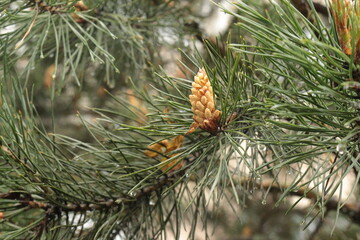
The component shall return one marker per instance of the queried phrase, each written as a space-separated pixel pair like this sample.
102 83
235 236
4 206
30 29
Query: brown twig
44 7
352 210
62 8
27 200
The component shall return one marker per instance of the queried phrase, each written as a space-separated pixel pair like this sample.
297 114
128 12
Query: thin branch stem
352 210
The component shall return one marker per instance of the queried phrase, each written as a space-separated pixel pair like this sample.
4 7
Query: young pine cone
174 165
164 147
202 104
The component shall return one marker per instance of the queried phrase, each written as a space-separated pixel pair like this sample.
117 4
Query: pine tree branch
352 210
44 7
59 8
26 199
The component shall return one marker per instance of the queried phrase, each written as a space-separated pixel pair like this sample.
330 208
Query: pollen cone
163 148
202 104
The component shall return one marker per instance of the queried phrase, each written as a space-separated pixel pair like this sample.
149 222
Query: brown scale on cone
164 146
172 165
206 116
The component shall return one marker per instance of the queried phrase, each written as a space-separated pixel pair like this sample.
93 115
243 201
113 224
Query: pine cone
164 147
172 165
203 106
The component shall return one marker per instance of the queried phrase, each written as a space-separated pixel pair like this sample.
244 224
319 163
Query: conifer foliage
122 119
